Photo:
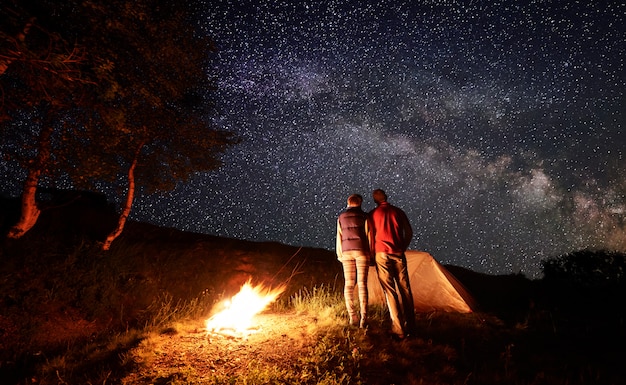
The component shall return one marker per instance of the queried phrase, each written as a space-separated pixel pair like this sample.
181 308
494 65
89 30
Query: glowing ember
238 314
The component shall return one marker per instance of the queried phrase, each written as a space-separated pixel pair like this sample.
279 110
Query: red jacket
391 230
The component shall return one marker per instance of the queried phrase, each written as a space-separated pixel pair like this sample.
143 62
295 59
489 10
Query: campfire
237 315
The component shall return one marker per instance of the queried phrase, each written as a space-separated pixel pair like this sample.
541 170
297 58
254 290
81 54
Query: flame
239 311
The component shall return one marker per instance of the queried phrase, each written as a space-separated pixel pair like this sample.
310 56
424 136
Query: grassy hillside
71 313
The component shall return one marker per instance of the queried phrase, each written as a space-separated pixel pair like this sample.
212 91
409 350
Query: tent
433 287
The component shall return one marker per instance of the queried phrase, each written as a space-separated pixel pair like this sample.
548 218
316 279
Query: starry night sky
497 126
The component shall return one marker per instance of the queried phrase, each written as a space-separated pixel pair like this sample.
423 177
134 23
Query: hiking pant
394 279
355 268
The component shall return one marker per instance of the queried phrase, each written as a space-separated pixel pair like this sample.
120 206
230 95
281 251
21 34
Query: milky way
496 125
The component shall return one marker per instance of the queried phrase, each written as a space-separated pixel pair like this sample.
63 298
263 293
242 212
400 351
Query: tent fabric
432 285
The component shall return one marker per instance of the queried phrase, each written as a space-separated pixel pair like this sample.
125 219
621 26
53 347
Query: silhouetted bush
586 268
587 288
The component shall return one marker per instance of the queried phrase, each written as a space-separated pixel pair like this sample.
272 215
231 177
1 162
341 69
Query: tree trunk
127 206
30 210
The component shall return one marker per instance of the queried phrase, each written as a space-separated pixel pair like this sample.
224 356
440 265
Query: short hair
379 196
355 200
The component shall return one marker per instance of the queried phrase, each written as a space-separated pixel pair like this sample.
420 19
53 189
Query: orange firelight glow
238 314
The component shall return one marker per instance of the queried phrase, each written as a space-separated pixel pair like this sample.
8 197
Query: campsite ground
296 348
278 341
70 313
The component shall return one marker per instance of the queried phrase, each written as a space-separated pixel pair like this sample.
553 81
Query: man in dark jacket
353 232
391 235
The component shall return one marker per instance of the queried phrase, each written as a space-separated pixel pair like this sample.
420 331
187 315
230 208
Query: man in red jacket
391 235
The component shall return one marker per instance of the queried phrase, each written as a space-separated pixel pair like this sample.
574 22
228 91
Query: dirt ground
276 340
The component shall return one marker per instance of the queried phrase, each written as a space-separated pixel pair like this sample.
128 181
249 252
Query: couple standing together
384 235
